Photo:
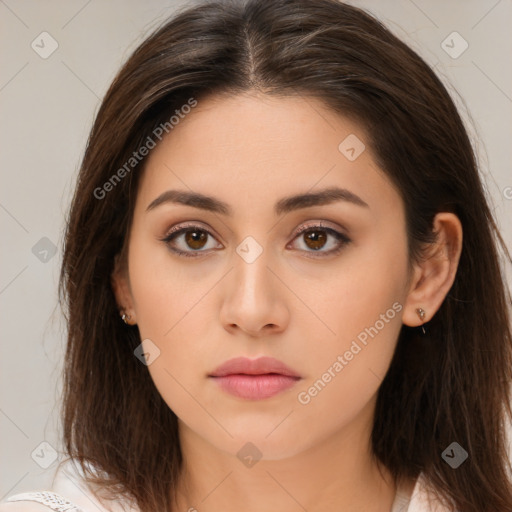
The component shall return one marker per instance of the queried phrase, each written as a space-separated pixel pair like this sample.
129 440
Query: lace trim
50 499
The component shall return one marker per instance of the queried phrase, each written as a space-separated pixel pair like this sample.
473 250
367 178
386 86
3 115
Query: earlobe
435 273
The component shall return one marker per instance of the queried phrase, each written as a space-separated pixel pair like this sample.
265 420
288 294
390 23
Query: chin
259 445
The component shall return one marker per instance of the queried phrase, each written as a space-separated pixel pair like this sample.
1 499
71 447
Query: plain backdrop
47 105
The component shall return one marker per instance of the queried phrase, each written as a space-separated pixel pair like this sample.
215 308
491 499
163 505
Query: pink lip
254 379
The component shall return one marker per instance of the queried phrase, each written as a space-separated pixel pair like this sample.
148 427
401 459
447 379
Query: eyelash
176 231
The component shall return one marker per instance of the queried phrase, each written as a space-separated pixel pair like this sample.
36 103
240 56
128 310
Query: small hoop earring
421 314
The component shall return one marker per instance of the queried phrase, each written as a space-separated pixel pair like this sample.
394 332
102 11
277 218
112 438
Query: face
318 284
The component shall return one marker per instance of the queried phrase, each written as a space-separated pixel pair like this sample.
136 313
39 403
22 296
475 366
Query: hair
451 384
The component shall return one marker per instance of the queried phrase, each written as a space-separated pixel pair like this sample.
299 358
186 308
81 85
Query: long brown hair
451 384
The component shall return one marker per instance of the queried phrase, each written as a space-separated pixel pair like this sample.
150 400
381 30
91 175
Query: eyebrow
284 205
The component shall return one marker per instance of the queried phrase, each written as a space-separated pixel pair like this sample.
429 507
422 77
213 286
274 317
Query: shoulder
69 493
34 501
423 498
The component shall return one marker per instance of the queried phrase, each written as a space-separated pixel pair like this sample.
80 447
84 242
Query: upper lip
259 366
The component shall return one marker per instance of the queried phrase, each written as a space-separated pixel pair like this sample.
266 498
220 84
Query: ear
121 288
434 275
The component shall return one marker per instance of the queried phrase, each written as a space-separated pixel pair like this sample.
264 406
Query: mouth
254 379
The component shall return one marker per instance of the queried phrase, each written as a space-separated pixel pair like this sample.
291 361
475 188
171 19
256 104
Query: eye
187 237
315 237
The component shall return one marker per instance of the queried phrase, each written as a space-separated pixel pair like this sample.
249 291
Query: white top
70 493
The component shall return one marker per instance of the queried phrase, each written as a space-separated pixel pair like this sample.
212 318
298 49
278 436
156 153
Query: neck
338 473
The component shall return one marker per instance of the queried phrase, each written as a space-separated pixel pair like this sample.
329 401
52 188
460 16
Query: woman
282 279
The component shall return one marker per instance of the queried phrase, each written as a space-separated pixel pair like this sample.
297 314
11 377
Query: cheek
168 302
370 279
345 374
163 293
362 306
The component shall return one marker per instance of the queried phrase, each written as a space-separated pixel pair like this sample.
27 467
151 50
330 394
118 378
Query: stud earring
421 314
126 318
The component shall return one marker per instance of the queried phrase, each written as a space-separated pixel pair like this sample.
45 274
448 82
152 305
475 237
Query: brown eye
195 239
316 238
188 240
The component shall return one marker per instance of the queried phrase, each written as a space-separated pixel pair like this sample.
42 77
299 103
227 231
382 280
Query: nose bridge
253 300
251 275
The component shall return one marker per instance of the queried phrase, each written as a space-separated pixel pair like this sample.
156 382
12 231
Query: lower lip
255 387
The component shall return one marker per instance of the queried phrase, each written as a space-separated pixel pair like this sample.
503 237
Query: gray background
47 107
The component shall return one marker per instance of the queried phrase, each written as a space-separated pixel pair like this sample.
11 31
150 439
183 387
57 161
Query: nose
254 299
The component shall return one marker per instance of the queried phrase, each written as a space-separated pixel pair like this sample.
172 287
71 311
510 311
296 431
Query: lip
254 379
259 366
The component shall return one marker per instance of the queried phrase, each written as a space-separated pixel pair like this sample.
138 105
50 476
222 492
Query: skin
250 151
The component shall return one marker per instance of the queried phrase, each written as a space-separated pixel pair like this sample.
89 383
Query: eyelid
317 224
187 225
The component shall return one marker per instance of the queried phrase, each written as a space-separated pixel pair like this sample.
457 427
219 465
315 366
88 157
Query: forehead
257 146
